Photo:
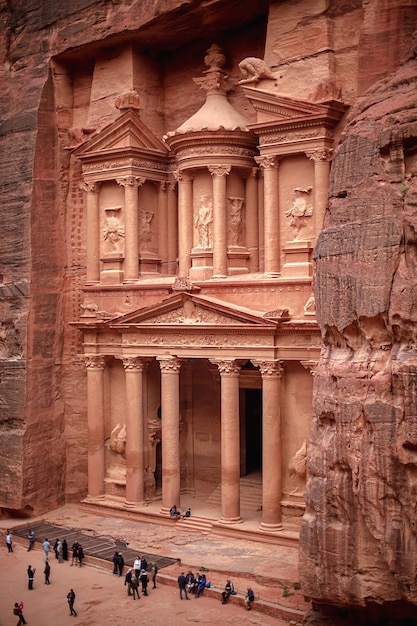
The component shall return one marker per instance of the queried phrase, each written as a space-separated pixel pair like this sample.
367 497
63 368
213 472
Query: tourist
182 584
115 560
120 563
9 541
71 600
56 548
202 581
190 580
47 572
31 576
74 548
128 581
60 552
46 545
173 511
137 566
65 550
187 513
154 572
31 537
80 554
228 591
18 610
249 598
134 584
144 581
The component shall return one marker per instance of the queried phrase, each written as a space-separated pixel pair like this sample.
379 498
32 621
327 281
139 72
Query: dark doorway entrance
253 429
158 466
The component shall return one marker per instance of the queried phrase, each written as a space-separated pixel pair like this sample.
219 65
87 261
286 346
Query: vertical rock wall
358 541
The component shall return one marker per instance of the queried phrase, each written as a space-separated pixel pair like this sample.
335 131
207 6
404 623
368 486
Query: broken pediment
127 133
191 310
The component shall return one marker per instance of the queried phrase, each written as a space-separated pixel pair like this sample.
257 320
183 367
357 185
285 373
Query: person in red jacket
18 610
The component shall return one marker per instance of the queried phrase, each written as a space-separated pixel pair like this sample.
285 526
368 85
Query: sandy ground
101 598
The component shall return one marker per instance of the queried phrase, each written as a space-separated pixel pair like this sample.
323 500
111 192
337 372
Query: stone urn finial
214 58
128 100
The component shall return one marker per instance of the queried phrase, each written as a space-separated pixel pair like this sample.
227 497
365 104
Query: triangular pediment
127 133
192 310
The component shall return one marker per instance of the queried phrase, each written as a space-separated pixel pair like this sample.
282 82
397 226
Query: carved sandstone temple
198 326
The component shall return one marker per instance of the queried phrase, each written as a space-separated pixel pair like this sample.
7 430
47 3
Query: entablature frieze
120 167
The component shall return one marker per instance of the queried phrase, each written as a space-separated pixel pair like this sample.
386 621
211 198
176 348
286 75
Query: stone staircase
250 494
202 524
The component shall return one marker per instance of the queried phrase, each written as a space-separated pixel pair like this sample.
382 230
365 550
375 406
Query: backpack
16 611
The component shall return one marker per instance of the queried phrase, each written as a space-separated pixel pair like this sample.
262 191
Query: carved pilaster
90 186
311 366
272 243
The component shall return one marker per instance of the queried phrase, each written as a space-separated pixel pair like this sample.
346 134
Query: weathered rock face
358 542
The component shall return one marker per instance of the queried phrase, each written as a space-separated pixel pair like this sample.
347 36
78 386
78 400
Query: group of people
174 512
190 584
138 575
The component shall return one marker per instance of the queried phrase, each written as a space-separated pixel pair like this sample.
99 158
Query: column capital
181 176
169 365
95 361
269 369
227 367
171 185
320 154
311 366
219 170
134 363
130 181
268 162
90 186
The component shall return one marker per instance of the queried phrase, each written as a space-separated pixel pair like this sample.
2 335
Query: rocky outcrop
359 535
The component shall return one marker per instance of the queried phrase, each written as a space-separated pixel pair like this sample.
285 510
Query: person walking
31 576
46 546
18 610
47 572
71 600
154 572
182 584
31 537
9 541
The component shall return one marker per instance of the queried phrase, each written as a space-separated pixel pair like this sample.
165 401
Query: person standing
80 554
56 548
137 566
144 581
74 548
31 537
47 572
31 576
65 550
128 581
46 545
120 563
115 563
154 572
134 584
18 610
9 541
71 600
182 584
60 552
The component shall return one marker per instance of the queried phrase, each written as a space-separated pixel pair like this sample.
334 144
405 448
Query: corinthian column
272 247
135 482
170 412
131 184
185 222
93 231
95 420
230 441
219 173
271 445
321 159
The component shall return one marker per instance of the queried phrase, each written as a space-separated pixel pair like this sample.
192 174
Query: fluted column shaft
230 442
185 222
271 215
321 159
135 482
131 207
252 224
170 396
93 231
95 421
172 228
219 173
271 445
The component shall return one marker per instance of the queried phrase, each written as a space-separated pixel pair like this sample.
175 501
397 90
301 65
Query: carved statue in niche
117 453
235 220
310 306
299 210
145 228
203 223
113 234
297 470
254 69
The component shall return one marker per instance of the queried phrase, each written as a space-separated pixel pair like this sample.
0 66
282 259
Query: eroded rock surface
358 543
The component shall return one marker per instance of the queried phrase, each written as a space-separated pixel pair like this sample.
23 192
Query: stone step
195 522
250 496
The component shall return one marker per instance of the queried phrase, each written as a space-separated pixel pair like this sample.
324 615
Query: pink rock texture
358 541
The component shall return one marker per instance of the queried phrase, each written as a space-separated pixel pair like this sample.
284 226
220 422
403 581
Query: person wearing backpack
18 610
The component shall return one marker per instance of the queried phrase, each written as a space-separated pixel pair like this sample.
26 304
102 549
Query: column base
266 526
94 499
216 276
230 520
272 274
134 505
